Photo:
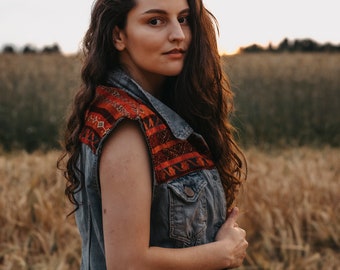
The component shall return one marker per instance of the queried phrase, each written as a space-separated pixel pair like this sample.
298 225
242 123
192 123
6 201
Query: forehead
165 5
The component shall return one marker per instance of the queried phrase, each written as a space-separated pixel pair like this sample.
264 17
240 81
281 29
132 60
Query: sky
241 22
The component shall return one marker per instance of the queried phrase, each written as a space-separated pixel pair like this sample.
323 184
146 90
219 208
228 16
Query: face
154 42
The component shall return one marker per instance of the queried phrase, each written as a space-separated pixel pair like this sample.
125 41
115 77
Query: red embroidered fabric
171 157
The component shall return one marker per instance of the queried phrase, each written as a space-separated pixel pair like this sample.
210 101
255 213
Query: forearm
207 257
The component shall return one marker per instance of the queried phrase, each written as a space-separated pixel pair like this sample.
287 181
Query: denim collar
178 126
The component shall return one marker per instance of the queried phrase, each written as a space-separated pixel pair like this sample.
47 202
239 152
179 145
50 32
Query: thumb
231 220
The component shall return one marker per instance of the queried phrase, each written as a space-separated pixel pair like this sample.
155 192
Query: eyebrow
161 11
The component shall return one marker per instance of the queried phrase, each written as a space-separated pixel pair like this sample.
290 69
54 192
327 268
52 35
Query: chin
173 72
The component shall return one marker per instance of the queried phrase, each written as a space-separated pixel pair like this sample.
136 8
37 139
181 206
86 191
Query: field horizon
281 99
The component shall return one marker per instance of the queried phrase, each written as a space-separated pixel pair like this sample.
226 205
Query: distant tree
270 47
51 49
297 45
328 47
29 49
8 49
284 45
306 45
252 49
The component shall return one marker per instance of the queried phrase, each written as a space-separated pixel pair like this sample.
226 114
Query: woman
151 163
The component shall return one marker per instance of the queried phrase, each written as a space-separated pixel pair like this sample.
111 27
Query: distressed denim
185 211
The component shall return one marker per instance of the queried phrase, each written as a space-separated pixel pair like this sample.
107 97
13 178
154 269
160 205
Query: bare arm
125 178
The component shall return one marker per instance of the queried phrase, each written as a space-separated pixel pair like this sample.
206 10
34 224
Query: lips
175 51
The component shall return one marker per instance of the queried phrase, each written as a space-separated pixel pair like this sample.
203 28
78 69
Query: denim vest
188 201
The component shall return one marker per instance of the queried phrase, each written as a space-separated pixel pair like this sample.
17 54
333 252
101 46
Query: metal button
188 191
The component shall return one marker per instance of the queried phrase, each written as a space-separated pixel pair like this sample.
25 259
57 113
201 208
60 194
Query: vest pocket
188 211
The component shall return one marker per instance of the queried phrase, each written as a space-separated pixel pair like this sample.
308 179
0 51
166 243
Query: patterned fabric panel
109 105
171 157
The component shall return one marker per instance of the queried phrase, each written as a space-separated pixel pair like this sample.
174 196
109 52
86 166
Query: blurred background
242 22
283 62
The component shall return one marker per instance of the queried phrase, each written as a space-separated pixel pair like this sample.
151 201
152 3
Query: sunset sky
242 22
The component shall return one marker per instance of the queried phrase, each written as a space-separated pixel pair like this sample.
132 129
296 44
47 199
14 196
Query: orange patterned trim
171 157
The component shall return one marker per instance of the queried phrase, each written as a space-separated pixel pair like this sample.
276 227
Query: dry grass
290 204
35 233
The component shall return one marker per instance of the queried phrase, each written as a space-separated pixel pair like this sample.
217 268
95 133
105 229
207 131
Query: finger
246 243
231 220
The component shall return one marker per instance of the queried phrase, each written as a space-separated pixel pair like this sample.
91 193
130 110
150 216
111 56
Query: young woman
152 167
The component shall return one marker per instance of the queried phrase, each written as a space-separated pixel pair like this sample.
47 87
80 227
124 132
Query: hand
234 240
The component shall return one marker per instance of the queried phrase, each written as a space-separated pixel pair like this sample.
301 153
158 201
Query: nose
176 32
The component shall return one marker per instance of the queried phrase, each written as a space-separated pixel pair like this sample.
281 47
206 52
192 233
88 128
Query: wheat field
35 233
287 108
289 204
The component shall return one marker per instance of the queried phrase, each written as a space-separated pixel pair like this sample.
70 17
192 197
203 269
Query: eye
156 21
183 20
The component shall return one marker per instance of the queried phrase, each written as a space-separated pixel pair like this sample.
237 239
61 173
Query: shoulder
109 107
126 141
115 102
125 153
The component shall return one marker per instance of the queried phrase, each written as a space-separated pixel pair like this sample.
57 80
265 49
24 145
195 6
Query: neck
150 82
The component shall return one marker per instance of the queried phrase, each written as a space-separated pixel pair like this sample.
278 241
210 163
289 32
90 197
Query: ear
118 38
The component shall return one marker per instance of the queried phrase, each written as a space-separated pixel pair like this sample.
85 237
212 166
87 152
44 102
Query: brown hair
200 93
202 96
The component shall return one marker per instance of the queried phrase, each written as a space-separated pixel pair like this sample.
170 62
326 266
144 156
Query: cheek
145 46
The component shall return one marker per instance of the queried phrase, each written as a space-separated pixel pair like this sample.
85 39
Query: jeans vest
188 201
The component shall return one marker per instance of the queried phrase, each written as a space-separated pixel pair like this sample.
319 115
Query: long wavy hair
201 93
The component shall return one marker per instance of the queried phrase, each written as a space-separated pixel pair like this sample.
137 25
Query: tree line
286 45
297 45
30 49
